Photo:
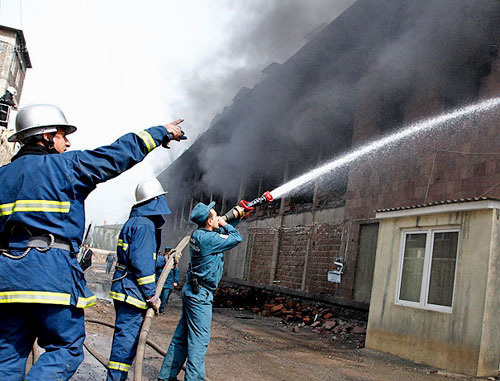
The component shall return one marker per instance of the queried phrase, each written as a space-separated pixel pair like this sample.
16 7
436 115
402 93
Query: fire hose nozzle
234 213
247 207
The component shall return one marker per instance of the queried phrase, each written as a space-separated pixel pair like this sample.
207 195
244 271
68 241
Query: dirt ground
245 346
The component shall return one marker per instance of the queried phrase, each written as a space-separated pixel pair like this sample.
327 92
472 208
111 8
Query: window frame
426 271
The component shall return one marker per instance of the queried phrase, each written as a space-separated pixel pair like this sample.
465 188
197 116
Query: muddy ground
245 346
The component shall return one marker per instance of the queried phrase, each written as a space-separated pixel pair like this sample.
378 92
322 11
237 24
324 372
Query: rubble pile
317 318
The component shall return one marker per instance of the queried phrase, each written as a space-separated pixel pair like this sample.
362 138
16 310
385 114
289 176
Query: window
427 269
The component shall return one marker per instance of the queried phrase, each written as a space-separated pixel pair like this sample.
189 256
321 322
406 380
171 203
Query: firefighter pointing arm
42 287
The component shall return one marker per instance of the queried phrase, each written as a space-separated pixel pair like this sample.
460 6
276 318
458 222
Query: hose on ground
103 360
174 257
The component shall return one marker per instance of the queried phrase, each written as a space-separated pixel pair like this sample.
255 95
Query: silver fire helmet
39 119
148 189
12 90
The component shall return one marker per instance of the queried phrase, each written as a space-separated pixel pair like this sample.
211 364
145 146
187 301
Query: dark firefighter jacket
45 194
134 280
173 274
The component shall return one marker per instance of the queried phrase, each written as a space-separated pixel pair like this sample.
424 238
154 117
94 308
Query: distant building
105 237
14 61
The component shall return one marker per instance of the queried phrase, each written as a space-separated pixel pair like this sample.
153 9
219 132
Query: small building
435 285
14 61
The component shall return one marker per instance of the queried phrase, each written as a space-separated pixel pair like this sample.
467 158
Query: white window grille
427 269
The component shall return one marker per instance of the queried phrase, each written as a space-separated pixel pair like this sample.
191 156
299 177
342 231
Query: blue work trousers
128 323
164 296
191 337
60 331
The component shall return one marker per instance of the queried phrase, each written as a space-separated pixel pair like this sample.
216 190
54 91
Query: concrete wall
463 341
6 149
489 356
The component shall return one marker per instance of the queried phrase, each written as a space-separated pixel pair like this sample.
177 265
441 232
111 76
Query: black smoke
303 112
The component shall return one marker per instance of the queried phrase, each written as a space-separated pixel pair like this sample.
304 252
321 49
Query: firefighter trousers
128 324
60 331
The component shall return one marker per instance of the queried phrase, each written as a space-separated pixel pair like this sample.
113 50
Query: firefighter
110 259
134 280
171 281
9 97
42 287
7 101
192 335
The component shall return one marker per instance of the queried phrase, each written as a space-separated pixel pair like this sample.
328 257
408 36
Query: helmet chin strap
49 144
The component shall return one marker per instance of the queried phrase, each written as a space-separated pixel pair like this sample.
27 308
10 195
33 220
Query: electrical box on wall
335 276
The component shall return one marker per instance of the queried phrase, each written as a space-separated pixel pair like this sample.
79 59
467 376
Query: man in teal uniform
192 335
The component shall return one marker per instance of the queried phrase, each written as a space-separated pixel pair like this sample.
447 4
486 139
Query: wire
430 177
460 153
469 153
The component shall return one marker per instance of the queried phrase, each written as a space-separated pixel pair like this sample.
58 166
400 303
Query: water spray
413 129
245 208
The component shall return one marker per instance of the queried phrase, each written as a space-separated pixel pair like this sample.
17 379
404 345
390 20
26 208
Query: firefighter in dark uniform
134 280
42 287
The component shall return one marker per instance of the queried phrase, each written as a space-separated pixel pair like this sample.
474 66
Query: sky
115 67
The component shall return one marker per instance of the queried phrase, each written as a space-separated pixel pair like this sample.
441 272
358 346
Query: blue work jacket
207 258
136 250
45 193
173 274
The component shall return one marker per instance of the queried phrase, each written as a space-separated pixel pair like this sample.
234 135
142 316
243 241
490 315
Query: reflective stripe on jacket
137 253
46 193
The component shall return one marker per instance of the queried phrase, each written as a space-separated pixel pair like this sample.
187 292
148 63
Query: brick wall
455 161
261 254
291 258
302 251
325 248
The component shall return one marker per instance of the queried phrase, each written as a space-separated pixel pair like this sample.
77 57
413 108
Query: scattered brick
330 324
277 309
312 317
358 330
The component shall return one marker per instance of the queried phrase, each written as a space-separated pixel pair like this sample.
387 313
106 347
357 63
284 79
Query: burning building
377 67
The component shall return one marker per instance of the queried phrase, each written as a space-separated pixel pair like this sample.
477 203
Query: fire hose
243 210
146 325
103 360
174 257
100 358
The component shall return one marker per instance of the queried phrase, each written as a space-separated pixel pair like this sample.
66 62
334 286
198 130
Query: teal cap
201 212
